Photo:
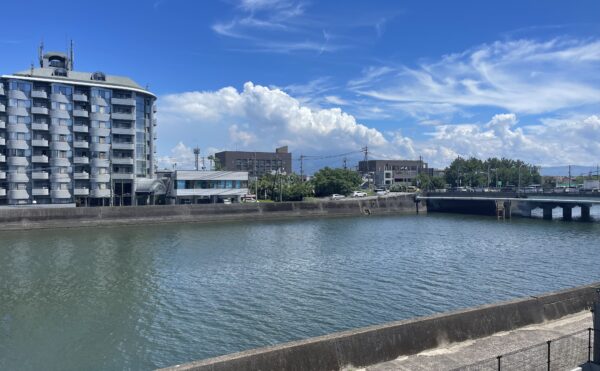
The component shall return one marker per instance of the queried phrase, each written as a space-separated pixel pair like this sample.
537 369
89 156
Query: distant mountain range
576 170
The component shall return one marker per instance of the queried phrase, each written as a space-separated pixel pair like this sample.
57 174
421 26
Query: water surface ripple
153 296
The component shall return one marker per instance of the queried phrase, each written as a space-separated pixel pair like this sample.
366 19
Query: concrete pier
567 212
585 212
548 212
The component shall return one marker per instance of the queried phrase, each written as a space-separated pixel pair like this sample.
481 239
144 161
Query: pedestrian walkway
457 355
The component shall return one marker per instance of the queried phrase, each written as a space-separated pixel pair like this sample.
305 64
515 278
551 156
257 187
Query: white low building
192 187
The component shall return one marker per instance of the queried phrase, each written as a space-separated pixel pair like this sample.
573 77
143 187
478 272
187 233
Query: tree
290 186
476 173
328 181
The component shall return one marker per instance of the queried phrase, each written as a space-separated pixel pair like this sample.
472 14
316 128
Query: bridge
507 204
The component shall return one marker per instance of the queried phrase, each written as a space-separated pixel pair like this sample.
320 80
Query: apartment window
62 90
22 86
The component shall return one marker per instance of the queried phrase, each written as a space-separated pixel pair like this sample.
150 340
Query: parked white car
381 192
335 196
359 194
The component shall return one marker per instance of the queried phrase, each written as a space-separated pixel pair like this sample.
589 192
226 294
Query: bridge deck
574 201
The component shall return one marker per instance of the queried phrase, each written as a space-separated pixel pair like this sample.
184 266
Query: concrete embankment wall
375 344
30 218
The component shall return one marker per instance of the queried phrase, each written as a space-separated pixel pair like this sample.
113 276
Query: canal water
153 296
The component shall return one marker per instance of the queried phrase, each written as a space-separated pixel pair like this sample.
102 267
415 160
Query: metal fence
563 353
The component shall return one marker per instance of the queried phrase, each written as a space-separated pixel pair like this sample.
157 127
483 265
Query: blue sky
409 78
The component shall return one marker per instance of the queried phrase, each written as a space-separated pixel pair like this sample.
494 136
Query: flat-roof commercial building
73 137
194 187
256 164
388 172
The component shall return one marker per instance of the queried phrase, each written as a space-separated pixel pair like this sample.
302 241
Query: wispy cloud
523 76
277 26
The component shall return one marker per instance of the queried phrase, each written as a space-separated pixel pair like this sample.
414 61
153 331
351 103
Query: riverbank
39 218
376 344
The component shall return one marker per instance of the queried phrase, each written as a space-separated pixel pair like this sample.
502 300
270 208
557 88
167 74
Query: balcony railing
42 94
80 97
39 142
80 129
39 126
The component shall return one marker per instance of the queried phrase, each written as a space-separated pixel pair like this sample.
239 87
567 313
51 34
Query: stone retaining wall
30 218
375 344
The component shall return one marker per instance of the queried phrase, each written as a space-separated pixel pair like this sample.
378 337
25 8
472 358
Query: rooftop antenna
196 154
71 56
41 53
31 69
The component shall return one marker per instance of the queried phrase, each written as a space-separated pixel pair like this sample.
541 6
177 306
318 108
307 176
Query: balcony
39 110
99 116
40 191
100 162
154 108
60 193
123 116
39 126
100 147
17 128
18 194
59 129
60 98
17 144
60 114
56 145
100 193
80 129
2 158
17 94
2 174
18 178
60 178
81 191
2 141
99 101
2 192
40 175
41 159
60 162
80 113
18 161
80 98
81 160
2 108
123 176
127 146
81 144
122 160
2 124
42 94
123 131
2 92
39 142
81 176
16 111
100 178
99 132
153 122
123 101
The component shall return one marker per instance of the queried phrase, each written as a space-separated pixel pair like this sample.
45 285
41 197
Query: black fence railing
563 353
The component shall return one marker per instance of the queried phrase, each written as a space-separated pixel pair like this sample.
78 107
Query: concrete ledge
34 218
375 344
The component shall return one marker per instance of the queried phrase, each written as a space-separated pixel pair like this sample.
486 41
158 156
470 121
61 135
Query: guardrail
563 353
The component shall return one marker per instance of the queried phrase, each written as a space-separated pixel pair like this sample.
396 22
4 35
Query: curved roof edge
91 83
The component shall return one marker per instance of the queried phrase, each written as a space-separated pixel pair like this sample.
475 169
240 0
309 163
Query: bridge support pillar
567 212
585 212
547 212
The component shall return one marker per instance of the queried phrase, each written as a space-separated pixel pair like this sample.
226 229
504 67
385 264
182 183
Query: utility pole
301 168
569 176
345 163
488 174
196 155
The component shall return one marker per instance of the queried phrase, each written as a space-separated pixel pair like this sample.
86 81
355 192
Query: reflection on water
147 297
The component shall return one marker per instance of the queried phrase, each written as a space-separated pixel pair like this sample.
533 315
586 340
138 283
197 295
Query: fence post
589 344
549 341
499 362
596 314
